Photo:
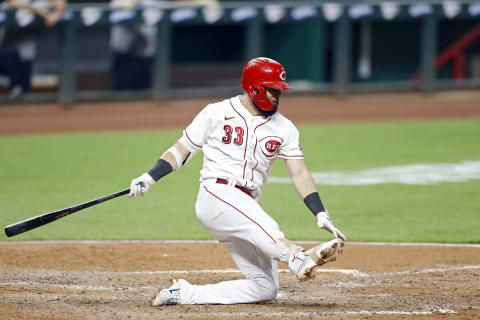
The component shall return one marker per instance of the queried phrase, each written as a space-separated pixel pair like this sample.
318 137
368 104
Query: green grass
47 172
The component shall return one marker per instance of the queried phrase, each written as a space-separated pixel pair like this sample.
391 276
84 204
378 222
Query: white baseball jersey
238 145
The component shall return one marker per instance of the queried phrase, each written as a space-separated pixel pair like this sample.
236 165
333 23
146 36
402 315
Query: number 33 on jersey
238 145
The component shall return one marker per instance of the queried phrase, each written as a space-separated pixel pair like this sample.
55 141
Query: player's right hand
324 222
140 186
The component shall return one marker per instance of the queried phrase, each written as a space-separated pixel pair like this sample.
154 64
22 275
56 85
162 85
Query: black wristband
313 202
161 168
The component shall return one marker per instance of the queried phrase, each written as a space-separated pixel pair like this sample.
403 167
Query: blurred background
147 49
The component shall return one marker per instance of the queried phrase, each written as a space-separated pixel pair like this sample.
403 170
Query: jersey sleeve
290 148
197 132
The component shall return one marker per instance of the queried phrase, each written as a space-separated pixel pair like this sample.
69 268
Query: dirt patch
106 280
51 118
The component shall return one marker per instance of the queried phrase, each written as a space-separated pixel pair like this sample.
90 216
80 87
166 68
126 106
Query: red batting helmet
259 73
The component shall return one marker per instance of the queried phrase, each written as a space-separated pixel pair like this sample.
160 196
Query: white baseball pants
251 237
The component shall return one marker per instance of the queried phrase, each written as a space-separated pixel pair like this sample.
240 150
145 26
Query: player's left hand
324 222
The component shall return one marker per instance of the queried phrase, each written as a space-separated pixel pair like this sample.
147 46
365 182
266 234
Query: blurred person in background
133 46
18 46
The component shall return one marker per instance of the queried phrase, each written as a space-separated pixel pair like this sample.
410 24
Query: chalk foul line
73 287
352 272
437 310
282 296
431 270
108 242
416 174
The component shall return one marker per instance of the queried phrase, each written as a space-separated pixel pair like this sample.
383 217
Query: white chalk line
407 244
431 270
38 284
70 287
351 272
282 296
412 244
317 313
412 174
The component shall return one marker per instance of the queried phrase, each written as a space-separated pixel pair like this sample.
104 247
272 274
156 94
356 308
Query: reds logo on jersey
270 146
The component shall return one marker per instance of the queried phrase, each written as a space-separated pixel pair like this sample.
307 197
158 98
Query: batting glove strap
313 202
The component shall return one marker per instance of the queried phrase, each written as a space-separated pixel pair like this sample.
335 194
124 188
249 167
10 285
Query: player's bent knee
266 290
270 294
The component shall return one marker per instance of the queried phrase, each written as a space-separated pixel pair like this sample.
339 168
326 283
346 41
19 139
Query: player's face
274 95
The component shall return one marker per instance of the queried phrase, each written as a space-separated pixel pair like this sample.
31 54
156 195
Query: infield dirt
116 280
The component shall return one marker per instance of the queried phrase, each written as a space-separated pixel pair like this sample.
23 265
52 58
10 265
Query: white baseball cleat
326 252
170 296
304 263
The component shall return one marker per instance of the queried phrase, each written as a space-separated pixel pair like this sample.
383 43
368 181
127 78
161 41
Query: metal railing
254 16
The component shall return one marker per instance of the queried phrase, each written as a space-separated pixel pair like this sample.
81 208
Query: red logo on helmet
283 76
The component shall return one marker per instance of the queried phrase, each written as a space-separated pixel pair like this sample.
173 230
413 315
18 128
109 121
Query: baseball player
240 138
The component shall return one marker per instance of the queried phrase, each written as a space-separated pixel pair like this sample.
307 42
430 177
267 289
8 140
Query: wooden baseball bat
35 222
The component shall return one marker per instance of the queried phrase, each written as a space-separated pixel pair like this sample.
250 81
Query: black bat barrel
32 223
43 219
